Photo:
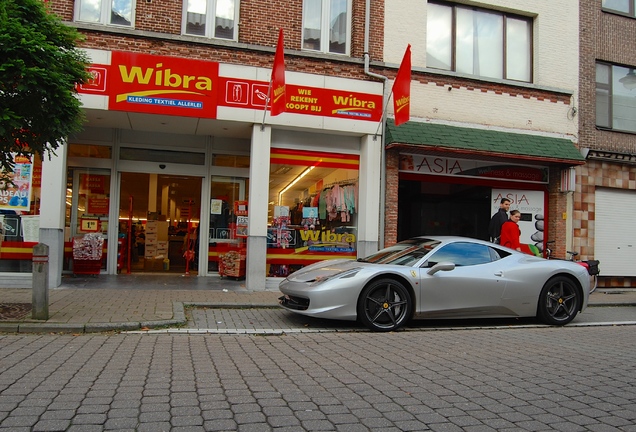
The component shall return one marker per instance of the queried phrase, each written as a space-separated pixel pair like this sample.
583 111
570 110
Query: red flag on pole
402 90
278 98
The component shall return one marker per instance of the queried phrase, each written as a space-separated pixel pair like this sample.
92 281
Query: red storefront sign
192 88
92 183
303 100
97 205
36 182
162 85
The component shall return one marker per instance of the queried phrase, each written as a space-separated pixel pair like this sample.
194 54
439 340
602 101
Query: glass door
228 215
87 207
158 222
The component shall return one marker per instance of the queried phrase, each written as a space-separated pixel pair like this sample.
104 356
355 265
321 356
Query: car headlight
343 275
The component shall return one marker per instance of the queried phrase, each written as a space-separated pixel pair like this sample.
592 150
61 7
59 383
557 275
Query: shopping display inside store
313 205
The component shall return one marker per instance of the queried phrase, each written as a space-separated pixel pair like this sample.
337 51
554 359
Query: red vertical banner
402 90
278 98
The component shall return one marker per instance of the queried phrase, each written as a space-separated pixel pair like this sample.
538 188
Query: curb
178 313
179 319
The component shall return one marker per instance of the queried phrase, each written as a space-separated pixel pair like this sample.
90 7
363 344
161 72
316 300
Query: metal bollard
40 285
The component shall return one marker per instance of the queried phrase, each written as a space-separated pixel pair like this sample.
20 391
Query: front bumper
294 303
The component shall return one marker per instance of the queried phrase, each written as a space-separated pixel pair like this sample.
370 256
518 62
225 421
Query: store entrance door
158 223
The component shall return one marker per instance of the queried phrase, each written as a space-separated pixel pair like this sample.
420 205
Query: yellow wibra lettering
310 235
163 78
278 90
402 101
203 83
353 102
327 237
135 74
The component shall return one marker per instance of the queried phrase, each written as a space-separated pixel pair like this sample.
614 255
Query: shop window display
314 207
229 214
20 214
87 207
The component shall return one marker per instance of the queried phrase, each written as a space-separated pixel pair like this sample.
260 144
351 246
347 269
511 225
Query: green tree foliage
40 66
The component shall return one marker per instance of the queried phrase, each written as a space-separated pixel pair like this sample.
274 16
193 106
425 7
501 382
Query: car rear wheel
384 305
559 301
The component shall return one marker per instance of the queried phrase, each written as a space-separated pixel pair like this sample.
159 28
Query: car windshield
405 253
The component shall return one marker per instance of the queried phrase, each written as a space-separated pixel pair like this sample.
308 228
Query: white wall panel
556 37
615 240
474 106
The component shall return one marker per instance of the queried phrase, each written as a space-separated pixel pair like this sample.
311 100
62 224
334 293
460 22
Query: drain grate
14 311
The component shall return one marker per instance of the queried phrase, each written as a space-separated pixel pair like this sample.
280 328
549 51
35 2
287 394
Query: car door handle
499 274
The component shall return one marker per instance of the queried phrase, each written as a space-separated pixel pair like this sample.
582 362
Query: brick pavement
91 306
538 379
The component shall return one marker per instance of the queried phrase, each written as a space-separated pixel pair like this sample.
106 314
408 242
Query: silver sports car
438 277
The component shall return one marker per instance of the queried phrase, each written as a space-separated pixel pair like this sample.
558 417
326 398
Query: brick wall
391 196
605 37
555 229
610 38
259 21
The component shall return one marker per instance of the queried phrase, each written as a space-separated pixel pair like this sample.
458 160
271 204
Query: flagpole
386 105
269 89
405 67
402 101
276 88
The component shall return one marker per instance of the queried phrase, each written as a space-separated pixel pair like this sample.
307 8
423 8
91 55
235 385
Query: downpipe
367 20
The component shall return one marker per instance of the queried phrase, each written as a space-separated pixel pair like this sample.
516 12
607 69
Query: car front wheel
559 301
384 305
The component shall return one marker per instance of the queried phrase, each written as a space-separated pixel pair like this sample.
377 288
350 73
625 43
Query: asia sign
442 166
192 88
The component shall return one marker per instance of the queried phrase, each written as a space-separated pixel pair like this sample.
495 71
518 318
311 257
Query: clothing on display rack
338 201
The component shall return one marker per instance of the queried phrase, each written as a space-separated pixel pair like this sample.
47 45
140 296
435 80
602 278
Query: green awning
430 137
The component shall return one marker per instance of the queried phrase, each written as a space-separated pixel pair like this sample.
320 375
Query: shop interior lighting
293 182
284 169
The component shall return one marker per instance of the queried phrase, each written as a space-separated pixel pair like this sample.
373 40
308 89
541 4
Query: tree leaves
40 67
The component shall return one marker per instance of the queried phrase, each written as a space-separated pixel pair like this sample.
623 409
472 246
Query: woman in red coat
510 231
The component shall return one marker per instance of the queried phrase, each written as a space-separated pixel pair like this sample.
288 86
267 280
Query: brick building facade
176 120
605 195
524 126
464 117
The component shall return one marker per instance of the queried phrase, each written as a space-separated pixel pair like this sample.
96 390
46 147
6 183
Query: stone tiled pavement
125 303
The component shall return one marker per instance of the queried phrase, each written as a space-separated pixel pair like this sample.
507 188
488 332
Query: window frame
609 87
325 28
504 48
630 14
210 21
106 7
443 251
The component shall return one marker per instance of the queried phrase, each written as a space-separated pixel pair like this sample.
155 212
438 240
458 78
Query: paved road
277 321
486 379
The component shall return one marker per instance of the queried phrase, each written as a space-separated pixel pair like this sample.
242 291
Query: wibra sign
193 88
157 85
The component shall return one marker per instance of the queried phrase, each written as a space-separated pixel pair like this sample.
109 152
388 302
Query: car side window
461 254
497 254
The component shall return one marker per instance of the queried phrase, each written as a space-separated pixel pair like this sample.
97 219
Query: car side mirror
443 266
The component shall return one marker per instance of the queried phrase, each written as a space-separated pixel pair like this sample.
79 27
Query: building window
20 192
211 18
108 12
89 151
626 7
313 208
616 97
479 42
327 26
